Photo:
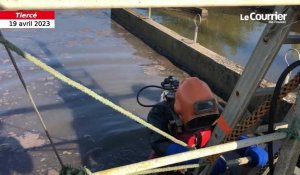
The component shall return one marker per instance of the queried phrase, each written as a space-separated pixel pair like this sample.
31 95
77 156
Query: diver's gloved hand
174 148
220 167
259 156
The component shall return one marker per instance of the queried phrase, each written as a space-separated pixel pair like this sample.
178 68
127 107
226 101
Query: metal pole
230 163
197 25
104 4
190 155
149 13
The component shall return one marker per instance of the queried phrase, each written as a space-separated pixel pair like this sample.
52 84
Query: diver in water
189 112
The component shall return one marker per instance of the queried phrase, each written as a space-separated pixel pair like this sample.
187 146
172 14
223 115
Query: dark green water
224 33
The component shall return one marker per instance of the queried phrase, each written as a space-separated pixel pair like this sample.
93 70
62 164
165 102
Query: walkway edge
220 73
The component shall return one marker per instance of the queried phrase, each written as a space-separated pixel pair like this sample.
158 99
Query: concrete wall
220 73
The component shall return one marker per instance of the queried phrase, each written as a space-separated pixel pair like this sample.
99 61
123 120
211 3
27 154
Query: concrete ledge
220 73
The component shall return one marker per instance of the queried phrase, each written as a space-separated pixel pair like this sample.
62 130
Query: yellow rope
87 91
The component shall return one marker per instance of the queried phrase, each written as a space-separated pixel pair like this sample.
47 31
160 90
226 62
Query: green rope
70 170
293 130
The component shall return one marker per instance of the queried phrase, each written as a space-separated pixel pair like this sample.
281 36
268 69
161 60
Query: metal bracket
197 25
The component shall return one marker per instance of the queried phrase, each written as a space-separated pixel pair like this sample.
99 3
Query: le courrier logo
270 18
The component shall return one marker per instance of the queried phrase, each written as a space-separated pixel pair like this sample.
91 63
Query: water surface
224 33
90 48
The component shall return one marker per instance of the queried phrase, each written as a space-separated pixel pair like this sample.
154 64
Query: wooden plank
263 91
292 39
263 55
264 128
98 4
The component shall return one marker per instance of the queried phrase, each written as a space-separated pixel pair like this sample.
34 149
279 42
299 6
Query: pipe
230 163
190 155
239 161
100 4
277 126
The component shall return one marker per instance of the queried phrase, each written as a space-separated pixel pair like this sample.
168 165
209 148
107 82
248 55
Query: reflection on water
223 33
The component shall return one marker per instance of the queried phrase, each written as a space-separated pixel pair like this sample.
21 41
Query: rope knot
293 130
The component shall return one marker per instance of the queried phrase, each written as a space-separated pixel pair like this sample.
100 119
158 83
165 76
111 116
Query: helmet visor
206 114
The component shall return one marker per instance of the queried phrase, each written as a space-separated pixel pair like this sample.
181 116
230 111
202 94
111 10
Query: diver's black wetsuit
159 116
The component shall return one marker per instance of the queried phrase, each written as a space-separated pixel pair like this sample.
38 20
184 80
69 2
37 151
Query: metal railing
102 4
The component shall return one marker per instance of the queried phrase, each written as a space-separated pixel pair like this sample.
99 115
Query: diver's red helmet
195 104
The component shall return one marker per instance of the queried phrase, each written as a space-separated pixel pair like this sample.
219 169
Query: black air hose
150 86
273 109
